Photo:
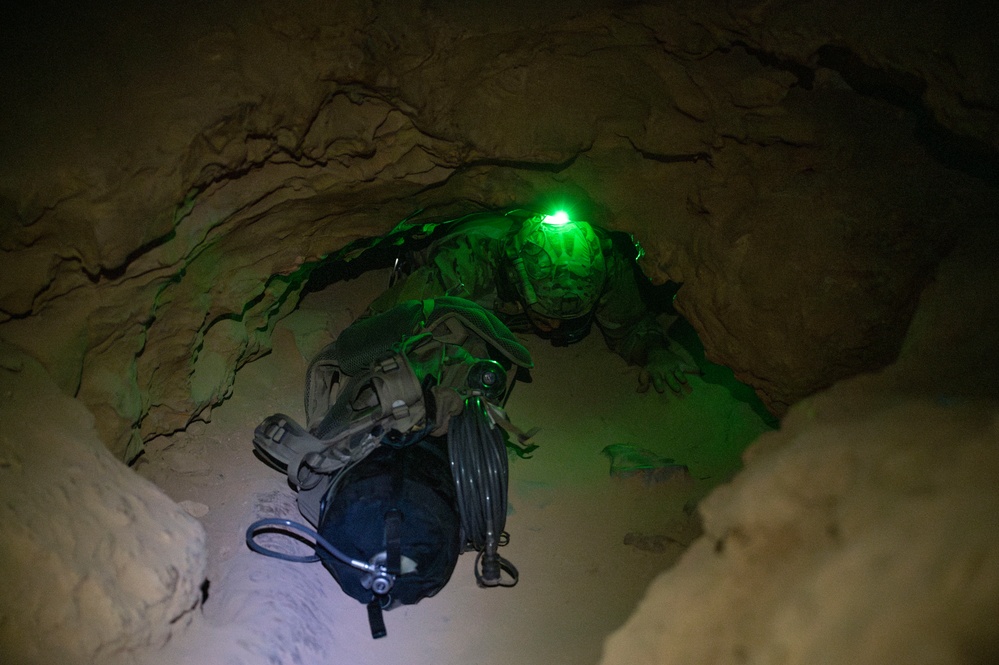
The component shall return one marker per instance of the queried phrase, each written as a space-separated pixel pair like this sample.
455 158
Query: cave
182 191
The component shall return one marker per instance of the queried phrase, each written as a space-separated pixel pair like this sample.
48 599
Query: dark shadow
684 334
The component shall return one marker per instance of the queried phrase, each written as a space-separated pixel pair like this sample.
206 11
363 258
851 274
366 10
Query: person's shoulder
493 226
482 233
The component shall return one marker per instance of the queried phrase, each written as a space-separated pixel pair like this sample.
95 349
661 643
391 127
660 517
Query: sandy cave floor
586 543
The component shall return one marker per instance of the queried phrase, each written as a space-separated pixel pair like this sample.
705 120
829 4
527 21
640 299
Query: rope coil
481 470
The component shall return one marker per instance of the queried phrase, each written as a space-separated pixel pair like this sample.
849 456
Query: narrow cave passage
587 542
822 177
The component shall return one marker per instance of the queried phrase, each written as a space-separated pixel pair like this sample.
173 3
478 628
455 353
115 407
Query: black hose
251 535
480 468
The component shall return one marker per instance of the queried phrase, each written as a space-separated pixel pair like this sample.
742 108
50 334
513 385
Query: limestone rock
864 530
864 537
98 562
782 161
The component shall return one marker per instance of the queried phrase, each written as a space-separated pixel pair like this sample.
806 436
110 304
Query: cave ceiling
171 176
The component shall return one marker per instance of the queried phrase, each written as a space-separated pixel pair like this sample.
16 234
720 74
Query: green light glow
560 218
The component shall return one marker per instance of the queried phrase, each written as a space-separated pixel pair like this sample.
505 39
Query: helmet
558 266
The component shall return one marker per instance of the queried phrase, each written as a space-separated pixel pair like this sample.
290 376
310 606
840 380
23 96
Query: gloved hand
665 368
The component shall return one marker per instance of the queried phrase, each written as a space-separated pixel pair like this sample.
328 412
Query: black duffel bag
397 509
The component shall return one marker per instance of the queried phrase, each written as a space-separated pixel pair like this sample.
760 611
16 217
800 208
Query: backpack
403 436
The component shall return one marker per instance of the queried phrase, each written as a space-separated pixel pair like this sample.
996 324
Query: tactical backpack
402 464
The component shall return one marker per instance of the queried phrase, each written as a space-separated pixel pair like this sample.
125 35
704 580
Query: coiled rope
480 467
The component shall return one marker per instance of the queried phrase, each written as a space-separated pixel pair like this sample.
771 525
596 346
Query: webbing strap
393 542
498 417
393 553
375 619
494 577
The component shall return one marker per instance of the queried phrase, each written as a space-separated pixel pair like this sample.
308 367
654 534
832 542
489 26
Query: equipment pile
402 464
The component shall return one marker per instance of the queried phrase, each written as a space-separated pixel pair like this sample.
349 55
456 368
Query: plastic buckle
277 430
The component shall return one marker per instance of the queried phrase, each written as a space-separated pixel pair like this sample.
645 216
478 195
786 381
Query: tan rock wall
190 170
864 530
169 179
97 561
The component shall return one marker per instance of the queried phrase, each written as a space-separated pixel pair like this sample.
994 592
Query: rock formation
98 563
168 190
864 530
171 177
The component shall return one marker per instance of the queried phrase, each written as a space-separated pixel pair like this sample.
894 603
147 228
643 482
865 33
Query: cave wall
170 176
98 563
864 530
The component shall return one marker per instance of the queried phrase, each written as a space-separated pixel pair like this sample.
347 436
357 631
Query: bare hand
665 368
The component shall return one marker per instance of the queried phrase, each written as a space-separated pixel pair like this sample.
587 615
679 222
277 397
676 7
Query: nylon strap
375 619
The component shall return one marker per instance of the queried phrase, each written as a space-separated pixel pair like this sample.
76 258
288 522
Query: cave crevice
898 88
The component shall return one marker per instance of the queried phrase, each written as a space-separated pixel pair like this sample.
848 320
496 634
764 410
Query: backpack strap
362 344
387 394
306 458
394 407
322 383
480 321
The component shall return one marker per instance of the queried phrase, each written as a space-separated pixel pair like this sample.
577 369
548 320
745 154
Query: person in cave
550 275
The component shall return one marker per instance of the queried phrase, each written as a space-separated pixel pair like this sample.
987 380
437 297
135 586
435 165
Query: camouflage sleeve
462 266
629 327
467 266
